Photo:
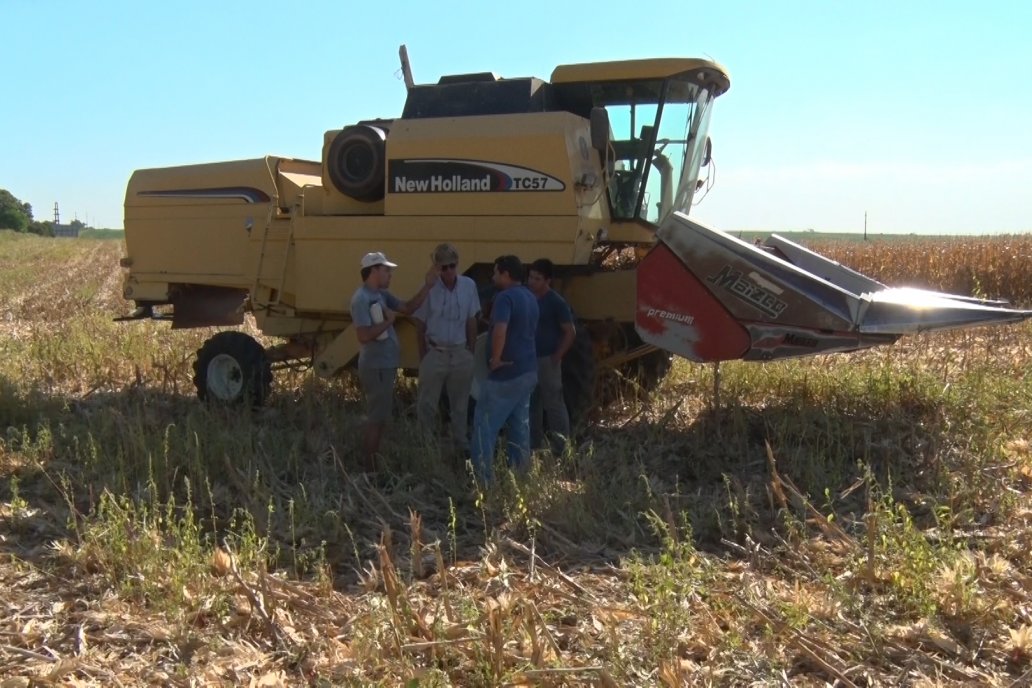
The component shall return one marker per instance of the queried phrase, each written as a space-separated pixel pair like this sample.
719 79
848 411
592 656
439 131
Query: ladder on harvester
275 295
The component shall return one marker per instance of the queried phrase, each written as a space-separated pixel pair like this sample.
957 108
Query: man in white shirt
447 327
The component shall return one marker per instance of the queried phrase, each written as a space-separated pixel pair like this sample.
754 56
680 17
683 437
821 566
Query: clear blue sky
919 113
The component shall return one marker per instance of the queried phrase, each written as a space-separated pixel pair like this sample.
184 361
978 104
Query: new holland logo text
682 318
439 184
748 291
469 176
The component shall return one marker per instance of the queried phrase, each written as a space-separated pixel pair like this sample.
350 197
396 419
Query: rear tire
232 368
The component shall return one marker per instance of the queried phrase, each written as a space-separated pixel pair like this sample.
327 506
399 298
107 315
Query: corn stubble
849 520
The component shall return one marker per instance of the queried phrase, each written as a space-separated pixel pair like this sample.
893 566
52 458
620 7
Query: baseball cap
376 258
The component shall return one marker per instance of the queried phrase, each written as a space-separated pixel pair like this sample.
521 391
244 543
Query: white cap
376 258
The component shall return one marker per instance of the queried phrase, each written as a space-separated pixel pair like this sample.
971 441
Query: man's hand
389 316
498 346
413 304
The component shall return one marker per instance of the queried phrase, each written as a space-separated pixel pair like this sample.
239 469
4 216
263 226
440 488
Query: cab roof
703 72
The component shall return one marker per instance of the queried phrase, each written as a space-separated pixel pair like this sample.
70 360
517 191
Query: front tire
580 374
232 368
643 375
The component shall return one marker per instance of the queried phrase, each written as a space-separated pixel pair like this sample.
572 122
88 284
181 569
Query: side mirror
708 155
599 128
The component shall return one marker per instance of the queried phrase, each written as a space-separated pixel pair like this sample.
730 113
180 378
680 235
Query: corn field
994 267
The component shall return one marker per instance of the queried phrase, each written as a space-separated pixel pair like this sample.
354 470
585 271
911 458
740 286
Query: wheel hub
225 378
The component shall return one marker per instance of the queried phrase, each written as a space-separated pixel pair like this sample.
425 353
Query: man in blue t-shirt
555 335
504 399
372 311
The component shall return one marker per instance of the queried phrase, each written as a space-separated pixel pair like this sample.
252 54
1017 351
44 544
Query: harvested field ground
853 520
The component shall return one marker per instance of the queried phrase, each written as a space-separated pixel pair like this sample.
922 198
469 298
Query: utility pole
865 225
57 214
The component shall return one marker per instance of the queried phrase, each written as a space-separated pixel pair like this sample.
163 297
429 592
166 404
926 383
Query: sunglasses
449 266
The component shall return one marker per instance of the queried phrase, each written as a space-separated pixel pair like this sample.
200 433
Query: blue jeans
502 404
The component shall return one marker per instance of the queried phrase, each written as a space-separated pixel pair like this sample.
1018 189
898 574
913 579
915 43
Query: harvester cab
657 114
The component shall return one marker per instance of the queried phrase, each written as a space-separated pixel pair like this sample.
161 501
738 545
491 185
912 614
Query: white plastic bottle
376 313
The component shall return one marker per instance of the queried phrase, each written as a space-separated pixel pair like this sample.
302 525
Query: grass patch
859 518
105 234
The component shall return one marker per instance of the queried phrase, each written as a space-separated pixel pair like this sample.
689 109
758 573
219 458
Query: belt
445 347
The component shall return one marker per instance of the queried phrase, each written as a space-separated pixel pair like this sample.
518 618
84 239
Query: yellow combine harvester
595 169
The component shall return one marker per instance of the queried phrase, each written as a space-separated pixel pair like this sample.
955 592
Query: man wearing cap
447 327
372 311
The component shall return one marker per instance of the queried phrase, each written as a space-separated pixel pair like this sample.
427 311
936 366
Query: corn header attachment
708 296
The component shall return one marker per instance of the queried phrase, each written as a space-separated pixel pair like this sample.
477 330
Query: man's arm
501 311
409 307
367 333
472 311
569 335
419 318
421 337
365 329
564 318
498 346
471 333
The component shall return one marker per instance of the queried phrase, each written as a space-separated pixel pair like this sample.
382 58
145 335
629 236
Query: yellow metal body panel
343 349
330 248
293 177
602 295
151 290
197 220
547 142
271 226
337 354
630 232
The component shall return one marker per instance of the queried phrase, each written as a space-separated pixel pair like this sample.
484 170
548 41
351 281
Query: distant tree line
16 215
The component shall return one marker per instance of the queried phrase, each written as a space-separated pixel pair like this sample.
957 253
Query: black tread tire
588 391
357 162
653 368
580 372
646 372
254 367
